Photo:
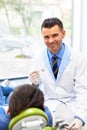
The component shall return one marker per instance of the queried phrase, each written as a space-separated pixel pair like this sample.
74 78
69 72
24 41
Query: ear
63 33
8 111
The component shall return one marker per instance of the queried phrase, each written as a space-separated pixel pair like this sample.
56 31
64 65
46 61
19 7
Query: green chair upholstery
47 128
30 119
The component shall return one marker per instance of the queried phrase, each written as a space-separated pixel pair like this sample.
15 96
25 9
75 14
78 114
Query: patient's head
25 96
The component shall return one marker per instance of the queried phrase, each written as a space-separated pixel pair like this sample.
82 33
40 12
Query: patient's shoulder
4 119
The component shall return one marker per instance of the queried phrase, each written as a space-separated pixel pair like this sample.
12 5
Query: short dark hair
50 22
25 96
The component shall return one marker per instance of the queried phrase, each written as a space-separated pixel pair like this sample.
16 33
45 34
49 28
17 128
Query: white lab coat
71 84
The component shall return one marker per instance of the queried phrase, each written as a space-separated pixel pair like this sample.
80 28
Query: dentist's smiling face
53 38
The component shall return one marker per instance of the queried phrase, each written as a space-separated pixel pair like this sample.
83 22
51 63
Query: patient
27 96
23 97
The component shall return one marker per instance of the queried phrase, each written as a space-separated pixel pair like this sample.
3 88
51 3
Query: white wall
79 28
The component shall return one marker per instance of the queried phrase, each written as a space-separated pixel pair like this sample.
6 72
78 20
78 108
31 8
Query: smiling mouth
52 45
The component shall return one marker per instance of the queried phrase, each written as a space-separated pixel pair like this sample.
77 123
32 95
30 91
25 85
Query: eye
46 37
55 35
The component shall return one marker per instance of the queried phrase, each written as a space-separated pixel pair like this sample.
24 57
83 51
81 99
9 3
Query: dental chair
30 119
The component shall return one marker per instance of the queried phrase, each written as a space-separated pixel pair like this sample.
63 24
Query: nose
51 39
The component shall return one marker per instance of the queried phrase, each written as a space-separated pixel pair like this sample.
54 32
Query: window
20 22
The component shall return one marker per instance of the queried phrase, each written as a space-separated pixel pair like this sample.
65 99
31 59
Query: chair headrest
29 118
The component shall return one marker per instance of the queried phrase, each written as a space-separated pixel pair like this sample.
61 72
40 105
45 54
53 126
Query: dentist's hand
34 77
76 124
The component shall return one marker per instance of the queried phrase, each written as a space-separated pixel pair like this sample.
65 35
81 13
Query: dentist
68 89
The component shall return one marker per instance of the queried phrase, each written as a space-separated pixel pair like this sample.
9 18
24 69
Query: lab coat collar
64 62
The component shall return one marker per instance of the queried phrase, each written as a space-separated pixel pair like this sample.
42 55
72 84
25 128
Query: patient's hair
25 96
